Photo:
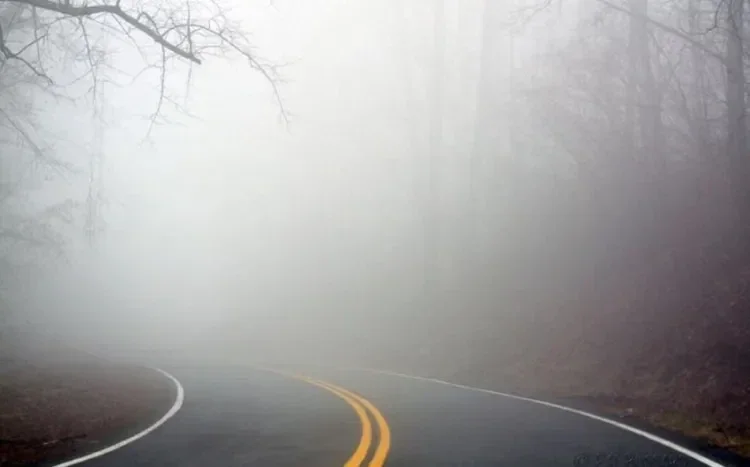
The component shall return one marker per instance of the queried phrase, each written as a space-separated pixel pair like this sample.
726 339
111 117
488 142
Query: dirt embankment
683 367
649 313
57 403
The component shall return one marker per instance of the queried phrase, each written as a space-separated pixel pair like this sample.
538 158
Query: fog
541 197
385 182
328 211
229 226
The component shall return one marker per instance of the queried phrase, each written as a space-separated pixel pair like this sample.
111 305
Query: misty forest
544 197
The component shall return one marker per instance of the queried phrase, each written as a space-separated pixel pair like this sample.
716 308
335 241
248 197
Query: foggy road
550 196
236 416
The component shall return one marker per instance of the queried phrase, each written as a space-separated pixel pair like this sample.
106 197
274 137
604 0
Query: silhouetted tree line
639 122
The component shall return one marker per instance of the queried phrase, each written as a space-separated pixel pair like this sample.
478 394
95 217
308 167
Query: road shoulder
59 405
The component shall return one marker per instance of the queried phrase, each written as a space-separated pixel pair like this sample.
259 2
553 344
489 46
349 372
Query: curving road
242 416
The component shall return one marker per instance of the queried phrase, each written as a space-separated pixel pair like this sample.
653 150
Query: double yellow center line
364 410
362 407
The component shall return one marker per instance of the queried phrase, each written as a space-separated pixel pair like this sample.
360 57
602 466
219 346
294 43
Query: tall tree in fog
640 104
491 141
699 86
736 91
433 219
409 58
670 82
644 100
28 232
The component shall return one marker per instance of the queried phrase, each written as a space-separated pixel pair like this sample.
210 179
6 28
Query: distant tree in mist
642 85
662 76
432 225
28 232
624 137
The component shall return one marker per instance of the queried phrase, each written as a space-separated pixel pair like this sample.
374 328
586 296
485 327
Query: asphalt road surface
244 416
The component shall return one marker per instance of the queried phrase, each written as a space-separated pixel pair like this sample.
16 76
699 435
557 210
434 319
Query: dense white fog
226 220
377 177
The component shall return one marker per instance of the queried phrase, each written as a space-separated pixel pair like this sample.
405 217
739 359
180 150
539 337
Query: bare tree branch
92 10
52 37
665 28
19 56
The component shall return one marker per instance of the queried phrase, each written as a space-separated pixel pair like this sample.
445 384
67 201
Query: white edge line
173 410
657 439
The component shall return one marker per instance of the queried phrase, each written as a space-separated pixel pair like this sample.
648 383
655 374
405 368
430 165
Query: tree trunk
644 92
631 106
699 109
490 146
432 263
735 95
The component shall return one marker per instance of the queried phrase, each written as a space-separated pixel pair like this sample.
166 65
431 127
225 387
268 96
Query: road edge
645 434
176 406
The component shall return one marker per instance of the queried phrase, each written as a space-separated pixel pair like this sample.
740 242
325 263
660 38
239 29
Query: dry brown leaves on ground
55 407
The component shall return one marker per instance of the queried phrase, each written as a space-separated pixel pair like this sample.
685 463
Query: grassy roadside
733 438
57 405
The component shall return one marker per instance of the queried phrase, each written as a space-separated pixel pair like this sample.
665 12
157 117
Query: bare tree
62 50
190 30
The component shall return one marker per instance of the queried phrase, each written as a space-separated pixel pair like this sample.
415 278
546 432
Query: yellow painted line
360 406
381 452
366 439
